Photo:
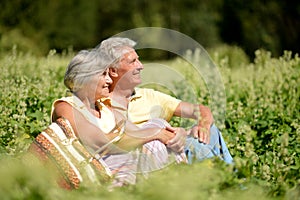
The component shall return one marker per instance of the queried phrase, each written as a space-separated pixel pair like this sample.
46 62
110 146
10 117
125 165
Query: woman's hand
165 135
178 142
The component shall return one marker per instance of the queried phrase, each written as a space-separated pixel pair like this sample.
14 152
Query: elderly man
203 141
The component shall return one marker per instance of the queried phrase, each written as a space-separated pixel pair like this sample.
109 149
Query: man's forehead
129 54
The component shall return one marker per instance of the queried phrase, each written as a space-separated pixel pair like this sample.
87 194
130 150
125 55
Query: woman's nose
108 79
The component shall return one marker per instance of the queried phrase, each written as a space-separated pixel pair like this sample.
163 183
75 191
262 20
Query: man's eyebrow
133 59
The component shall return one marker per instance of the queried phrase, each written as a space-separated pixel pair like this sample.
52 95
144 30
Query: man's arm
200 113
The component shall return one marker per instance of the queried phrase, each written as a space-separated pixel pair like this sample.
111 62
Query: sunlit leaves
261 128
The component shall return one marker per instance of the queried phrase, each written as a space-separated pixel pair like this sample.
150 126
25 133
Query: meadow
261 127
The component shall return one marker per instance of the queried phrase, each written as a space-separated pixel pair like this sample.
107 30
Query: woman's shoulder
63 106
66 99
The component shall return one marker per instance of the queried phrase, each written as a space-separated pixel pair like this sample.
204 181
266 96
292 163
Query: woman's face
99 85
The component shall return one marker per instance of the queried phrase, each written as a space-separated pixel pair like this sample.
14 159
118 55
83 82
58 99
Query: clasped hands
201 131
178 141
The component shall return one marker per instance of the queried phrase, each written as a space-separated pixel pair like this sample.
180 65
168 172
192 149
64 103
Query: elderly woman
102 130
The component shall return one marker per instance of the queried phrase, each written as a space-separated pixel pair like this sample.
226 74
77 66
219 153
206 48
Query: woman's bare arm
95 138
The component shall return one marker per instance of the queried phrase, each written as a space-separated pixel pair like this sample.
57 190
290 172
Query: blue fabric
197 151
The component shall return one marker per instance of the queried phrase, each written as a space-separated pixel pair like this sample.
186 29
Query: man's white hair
112 49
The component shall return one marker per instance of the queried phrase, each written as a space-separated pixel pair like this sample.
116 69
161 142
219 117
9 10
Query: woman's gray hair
82 67
114 48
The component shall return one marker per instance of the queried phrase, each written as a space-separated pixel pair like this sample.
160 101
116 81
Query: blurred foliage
261 129
39 26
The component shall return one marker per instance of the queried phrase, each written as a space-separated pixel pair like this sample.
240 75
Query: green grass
261 127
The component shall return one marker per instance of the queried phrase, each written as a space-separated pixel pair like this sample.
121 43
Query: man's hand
202 134
200 113
205 122
178 142
202 129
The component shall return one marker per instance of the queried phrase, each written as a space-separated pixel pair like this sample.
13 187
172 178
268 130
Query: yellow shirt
148 104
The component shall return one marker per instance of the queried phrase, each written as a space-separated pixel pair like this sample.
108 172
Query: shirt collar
106 101
134 95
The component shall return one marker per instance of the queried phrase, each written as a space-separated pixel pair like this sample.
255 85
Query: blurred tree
67 23
273 25
113 18
290 25
56 24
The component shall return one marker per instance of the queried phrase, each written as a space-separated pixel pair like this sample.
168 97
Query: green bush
262 120
233 56
29 85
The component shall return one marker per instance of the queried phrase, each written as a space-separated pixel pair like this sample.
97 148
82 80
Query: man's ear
113 72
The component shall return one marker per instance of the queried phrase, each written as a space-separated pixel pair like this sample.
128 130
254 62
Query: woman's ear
113 72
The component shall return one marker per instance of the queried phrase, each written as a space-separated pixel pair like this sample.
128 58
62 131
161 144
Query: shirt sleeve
167 102
149 104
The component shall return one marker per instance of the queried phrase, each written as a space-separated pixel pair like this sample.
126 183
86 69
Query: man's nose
140 65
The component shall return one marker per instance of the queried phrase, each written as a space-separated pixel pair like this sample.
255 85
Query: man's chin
138 82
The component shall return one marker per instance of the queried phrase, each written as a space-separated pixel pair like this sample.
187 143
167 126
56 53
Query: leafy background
262 130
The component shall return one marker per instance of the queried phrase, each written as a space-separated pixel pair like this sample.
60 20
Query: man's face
129 70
